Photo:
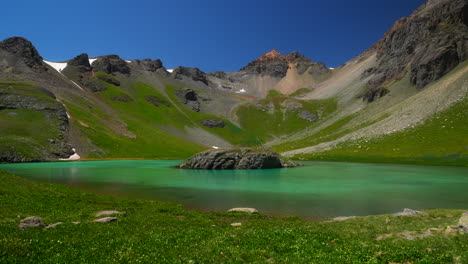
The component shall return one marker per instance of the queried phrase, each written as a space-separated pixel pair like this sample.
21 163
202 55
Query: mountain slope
392 95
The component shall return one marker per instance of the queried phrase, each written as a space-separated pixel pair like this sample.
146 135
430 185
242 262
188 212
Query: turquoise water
319 189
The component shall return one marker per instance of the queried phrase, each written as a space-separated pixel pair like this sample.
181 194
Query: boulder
236 158
244 210
31 222
212 123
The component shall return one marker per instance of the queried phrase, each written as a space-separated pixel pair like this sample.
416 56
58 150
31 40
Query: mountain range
402 100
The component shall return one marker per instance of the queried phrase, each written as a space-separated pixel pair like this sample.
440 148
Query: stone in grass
236 224
463 222
53 225
343 218
107 213
410 212
244 210
106 220
30 222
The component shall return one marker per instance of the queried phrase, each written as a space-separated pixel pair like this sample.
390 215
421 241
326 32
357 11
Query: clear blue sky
209 34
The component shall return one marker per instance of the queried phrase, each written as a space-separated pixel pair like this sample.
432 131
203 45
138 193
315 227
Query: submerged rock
463 222
236 158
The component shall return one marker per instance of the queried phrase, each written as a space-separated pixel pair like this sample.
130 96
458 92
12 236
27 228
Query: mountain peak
24 49
271 55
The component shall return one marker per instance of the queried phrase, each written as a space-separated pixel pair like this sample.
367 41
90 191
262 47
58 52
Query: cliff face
427 44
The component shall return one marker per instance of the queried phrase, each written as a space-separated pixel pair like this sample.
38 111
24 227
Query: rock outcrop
194 74
80 63
276 65
150 65
111 64
236 159
19 55
32 221
212 123
431 42
188 97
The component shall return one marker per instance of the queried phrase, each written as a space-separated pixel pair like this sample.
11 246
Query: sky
212 35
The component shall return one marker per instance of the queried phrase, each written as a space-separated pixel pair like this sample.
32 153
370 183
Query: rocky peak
150 65
24 50
81 62
430 42
271 56
111 64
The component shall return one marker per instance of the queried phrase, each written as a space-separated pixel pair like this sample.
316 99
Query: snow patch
58 66
331 68
240 91
68 115
91 61
215 147
128 61
75 156
170 70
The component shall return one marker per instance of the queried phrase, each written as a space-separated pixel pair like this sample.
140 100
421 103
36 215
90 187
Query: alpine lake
318 190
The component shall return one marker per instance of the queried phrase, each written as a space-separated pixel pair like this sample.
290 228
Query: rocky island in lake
237 159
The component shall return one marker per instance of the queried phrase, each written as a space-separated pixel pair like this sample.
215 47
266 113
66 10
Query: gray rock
109 80
156 101
236 158
53 225
111 64
188 97
463 222
31 221
374 94
306 115
106 220
22 50
150 65
343 218
191 73
107 213
410 212
236 224
212 123
244 210
431 42
80 63
122 98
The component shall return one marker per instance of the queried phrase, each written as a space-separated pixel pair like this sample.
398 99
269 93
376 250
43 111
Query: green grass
25 133
276 120
300 92
231 133
440 140
155 232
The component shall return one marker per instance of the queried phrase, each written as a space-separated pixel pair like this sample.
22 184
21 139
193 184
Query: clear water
320 189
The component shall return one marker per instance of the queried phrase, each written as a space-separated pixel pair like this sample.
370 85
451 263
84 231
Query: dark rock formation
432 41
150 65
212 123
236 158
122 98
192 73
374 94
306 115
111 64
20 54
276 65
218 74
80 63
109 80
189 98
156 101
